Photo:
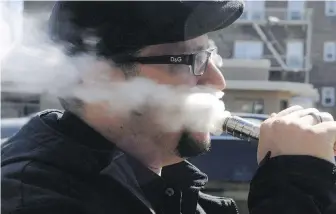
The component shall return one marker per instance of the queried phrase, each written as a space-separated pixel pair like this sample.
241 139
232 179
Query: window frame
329 45
247 47
291 55
327 6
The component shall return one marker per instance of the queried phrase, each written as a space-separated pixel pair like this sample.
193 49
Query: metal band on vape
241 128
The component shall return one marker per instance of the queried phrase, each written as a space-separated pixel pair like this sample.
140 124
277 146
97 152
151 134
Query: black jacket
58 165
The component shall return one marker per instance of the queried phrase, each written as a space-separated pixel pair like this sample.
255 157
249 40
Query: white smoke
38 64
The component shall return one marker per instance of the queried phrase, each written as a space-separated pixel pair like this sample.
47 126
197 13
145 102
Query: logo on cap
175 59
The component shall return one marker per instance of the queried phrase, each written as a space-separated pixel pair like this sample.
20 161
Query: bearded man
102 156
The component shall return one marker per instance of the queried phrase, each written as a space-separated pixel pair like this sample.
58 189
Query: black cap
122 27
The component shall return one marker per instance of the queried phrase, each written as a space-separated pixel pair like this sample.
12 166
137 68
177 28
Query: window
18 105
295 56
283 104
248 49
305 102
328 96
330 8
329 54
254 10
296 10
244 15
249 106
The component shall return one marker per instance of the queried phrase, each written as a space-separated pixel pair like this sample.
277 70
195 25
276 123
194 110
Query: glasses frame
180 59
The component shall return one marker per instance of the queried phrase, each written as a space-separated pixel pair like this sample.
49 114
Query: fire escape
284 67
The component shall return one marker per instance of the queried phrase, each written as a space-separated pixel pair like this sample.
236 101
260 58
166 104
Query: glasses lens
201 62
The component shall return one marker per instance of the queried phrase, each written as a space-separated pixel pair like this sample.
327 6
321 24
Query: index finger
289 110
328 128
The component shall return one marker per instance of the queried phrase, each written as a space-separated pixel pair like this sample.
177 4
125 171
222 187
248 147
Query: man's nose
213 77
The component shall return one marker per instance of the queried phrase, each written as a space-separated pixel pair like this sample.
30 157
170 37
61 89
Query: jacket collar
92 154
189 175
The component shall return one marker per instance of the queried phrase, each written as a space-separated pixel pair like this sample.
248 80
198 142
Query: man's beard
189 147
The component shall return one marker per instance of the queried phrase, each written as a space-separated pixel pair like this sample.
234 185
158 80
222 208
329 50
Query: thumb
328 129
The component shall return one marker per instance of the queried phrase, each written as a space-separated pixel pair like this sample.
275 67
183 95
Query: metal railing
288 76
293 63
276 15
296 68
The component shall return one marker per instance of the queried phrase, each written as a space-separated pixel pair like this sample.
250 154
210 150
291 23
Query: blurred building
19 98
280 53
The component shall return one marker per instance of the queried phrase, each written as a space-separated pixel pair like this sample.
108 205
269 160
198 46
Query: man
91 160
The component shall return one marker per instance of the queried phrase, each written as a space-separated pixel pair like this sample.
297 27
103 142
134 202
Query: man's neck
142 145
143 149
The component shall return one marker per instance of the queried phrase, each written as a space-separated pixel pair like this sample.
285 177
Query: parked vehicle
230 159
10 126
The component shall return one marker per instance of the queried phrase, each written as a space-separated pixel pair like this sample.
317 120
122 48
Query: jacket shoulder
216 204
29 186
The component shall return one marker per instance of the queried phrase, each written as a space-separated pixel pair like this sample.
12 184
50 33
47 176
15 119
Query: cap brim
209 16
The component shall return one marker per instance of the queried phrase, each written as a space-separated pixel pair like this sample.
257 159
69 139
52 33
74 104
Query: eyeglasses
197 62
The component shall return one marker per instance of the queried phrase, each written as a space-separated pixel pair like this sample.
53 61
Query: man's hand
294 132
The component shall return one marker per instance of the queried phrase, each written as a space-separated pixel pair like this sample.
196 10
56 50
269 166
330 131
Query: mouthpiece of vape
241 128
